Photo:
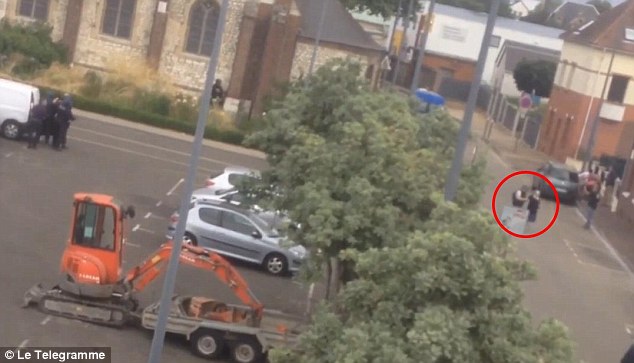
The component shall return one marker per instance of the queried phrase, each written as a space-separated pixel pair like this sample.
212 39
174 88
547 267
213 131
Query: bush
153 102
33 42
138 115
92 85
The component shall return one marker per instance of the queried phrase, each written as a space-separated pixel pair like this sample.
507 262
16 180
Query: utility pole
172 267
403 40
422 46
597 118
313 58
453 177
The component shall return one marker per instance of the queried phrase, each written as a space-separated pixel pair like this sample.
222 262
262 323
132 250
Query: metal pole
422 46
453 177
318 37
597 118
389 49
403 40
172 267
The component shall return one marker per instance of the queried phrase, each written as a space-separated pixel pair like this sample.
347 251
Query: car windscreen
564 175
263 225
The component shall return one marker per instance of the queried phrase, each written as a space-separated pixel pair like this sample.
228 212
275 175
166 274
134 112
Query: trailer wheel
207 344
246 350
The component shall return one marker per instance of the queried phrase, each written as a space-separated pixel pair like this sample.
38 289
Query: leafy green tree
449 294
389 8
541 14
535 75
356 169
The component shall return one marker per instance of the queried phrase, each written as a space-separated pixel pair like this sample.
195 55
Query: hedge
104 108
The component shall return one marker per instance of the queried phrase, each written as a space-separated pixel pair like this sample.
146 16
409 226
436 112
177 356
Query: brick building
597 56
264 40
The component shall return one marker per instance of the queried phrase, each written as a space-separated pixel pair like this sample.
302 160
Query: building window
36 9
495 41
118 17
618 87
203 19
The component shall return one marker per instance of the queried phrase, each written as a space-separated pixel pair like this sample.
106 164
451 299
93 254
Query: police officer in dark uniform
64 117
36 119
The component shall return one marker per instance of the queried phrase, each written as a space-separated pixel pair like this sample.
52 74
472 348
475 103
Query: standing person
629 355
64 117
218 94
610 180
36 119
593 203
520 197
48 126
533 205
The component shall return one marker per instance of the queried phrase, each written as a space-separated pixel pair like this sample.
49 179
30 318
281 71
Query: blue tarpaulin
430 97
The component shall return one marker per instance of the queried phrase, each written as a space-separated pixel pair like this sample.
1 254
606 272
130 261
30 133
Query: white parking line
175 186
137 153
8 155
148 215
24 343
136 227
146 230
629 329
158 204
132 244
46 320
149 145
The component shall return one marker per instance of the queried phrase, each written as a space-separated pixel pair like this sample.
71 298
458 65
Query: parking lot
141 168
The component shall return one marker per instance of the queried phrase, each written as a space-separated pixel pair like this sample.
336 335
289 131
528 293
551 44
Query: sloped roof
608 30
569 11
339 26
514 52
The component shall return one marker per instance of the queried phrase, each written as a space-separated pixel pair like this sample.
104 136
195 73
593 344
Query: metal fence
504 113
459 91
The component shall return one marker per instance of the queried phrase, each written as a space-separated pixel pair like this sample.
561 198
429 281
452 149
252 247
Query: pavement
140 165
585 277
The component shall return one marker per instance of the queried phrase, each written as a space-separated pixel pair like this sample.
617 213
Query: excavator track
114 313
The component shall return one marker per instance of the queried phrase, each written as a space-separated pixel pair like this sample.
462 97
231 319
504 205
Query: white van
16 101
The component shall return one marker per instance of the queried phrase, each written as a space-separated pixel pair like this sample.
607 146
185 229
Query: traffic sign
525 103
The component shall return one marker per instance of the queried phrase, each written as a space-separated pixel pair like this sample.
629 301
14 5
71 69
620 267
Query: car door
238 236
206 227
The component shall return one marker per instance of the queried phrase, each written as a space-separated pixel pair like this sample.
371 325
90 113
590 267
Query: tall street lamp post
172 267
453 178
422 46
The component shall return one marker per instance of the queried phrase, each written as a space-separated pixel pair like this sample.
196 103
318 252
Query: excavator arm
138 277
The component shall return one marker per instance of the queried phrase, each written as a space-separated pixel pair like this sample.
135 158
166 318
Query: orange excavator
93 287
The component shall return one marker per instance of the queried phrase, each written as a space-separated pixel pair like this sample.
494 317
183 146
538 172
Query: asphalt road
139 168
581 280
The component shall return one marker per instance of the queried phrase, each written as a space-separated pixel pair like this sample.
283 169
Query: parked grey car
240 233
564 178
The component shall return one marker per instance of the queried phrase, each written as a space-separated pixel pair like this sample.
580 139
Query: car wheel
207 344
190 239
246 350
11 130
275 264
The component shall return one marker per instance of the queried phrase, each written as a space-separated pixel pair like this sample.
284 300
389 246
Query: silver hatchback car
240 233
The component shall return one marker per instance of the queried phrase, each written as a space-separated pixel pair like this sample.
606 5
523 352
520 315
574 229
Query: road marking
8 155
46 320
629 328
136 227
504 163
569 245
150 145
175 186
138 153
148 215
609 247
158 204
24 343
146 230
132 244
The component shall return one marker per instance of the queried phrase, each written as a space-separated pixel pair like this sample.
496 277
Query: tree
601 5
449 294
535 75
356 169
541 14
389 8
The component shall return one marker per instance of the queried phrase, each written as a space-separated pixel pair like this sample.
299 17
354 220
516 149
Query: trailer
203 322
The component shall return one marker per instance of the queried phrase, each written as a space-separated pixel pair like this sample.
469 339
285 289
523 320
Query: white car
16 101
230 178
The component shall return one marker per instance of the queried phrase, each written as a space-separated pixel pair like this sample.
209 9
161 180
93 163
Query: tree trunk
335 277
328 278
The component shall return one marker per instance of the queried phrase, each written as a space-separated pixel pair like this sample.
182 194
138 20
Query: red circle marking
552 221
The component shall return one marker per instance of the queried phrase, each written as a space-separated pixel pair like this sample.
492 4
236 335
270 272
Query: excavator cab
94 251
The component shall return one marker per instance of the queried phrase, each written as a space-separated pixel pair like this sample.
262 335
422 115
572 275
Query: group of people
523 196
50 119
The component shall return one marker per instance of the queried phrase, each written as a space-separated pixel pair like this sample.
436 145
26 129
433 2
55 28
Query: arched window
118 18
203 19
36 9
